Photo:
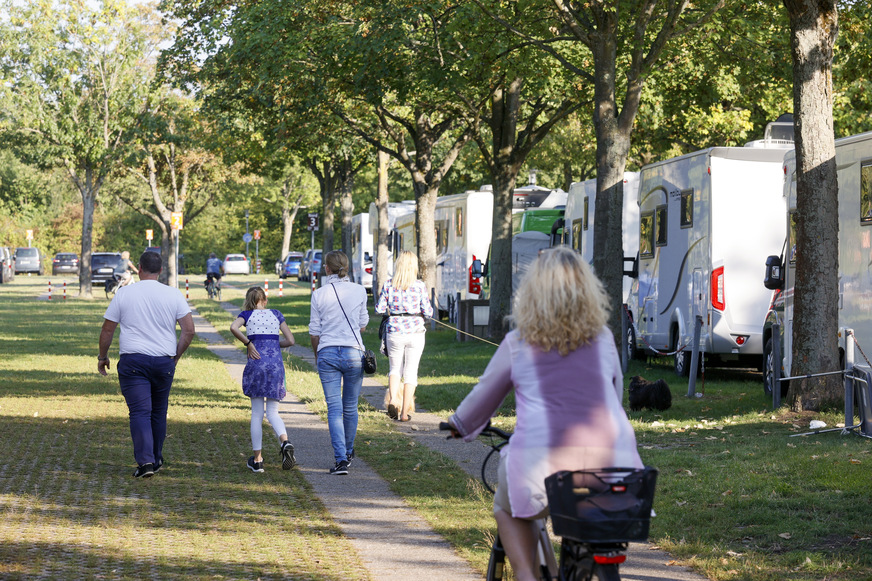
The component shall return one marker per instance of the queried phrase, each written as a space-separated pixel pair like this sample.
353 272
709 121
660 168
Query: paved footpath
393 541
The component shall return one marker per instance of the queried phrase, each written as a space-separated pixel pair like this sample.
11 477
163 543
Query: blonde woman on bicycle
562 364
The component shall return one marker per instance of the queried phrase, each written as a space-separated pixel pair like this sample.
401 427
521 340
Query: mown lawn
737 497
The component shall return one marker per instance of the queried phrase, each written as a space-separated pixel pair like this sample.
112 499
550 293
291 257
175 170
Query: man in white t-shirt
149 350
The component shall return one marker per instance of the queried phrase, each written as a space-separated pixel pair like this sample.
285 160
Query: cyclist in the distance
563 366
213 267
125 270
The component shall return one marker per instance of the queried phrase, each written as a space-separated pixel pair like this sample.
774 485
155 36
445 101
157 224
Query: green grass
737 497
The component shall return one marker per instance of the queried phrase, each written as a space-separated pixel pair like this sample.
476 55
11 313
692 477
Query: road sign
246 238
30 234
149 235
176 222
313 223
257 234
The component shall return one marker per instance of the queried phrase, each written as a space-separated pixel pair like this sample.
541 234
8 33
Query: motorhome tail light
740 339
718 300
474 281
368 270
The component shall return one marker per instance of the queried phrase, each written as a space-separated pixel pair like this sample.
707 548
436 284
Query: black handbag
370 365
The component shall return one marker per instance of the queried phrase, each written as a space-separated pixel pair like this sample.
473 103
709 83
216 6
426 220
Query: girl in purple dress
264 377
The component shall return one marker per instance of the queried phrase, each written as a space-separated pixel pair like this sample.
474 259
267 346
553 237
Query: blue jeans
145 384
341 373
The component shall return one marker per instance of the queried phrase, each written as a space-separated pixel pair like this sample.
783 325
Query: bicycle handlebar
488 430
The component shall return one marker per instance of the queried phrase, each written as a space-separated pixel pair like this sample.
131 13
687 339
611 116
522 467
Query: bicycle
213 286
113 284
595 512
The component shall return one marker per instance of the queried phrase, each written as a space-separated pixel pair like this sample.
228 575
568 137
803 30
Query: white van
580 218
396 210
361 250
707 222
854 168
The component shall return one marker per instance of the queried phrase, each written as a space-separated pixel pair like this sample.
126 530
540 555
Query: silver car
236 264
28 259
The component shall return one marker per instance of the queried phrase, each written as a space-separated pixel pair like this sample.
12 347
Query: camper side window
441 236
866 193
661 226
586 208
458 222
646 235
576 234
687 208
791 254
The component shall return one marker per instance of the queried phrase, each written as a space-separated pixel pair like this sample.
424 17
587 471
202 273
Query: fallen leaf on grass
785 535
671 563
417 467
855 461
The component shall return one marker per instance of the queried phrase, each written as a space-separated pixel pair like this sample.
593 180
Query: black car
65 262
103 265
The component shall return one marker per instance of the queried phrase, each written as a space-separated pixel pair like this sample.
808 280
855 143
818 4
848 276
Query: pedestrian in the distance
404 298
263 379
338 318
149 351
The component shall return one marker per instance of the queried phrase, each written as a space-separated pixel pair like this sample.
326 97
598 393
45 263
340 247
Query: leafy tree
74 79
623 40
813 29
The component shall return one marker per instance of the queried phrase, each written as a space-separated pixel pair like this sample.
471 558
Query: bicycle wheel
496 566
218 292
111 287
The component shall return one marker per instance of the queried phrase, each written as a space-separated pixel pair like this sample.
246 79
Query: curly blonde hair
560 303
405 270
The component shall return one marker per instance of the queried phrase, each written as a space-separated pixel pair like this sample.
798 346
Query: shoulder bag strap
346 316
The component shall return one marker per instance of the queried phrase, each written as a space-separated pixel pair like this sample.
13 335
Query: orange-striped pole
187 294
65 289
266 287
281 290
49 290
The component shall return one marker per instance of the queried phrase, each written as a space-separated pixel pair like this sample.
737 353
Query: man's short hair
150 262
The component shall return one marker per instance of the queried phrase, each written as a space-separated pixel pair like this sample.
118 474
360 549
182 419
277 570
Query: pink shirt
569 409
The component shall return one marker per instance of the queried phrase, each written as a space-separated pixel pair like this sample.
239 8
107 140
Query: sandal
408 419
393 413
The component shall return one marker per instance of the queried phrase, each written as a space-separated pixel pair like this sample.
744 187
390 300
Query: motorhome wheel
769 371
682 359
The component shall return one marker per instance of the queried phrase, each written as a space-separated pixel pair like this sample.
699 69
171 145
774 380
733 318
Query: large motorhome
854 167
580 218
361 250
707 222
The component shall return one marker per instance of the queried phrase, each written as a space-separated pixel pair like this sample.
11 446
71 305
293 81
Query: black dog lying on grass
654 395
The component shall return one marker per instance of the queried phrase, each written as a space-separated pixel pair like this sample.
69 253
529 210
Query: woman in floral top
404 298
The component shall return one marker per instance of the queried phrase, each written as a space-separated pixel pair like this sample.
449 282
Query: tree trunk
613 131
346 208
813 26
382 257
505 105
425 233
89 201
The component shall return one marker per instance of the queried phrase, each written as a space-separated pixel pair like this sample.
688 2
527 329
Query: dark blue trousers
145 384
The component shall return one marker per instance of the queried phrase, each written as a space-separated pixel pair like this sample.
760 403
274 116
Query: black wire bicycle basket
612 505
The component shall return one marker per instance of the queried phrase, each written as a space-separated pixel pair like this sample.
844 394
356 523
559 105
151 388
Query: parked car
65 262
103 265
7 264
315 264
236 264
28 259
291 265
153 249
307 263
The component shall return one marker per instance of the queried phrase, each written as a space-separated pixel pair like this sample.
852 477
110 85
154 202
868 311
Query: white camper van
396 210
707 222
463 233
361 250
854 167
580 219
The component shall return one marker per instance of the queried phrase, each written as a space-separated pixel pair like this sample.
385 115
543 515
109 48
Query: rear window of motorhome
687 208
661 226
646 234
866 193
